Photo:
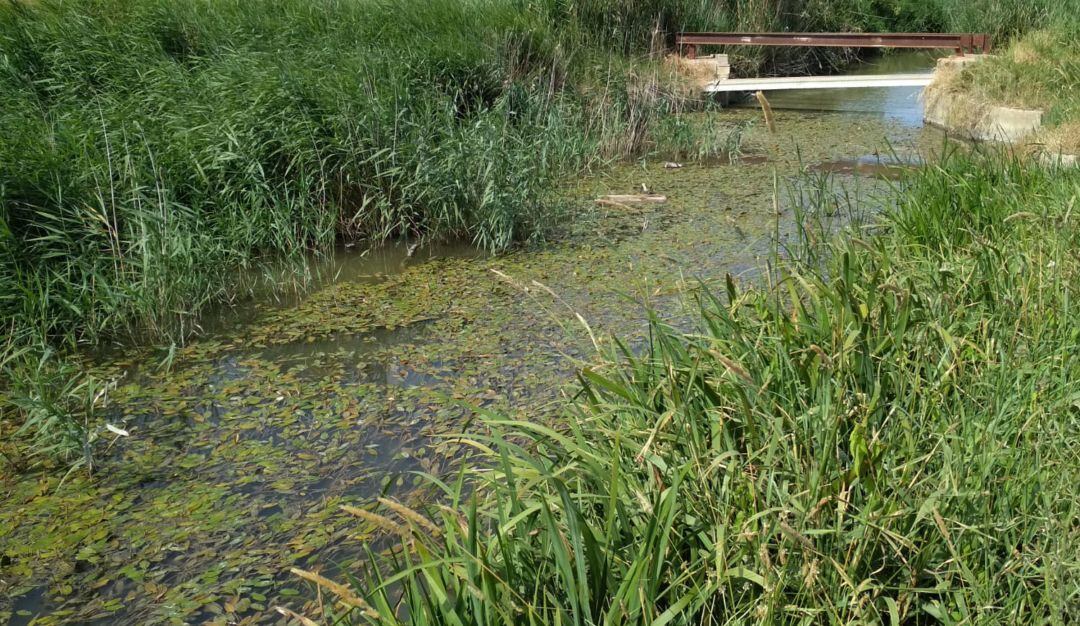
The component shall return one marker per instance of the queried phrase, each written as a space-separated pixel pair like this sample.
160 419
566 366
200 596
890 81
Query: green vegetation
886 433
1004 19
160 156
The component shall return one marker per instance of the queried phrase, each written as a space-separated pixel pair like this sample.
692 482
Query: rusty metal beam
960 42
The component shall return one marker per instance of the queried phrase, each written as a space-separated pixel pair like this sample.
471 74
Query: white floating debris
116 430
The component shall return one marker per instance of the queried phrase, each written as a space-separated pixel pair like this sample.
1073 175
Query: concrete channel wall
961 114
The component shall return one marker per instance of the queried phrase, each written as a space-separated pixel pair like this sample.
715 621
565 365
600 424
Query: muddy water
241 452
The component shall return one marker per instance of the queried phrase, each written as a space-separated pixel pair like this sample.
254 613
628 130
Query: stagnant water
899 103
241 451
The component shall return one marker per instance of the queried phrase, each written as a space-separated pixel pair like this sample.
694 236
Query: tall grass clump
887 437
51 402
1005 19
150 146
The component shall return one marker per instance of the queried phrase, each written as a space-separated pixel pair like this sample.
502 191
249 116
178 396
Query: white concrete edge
820 82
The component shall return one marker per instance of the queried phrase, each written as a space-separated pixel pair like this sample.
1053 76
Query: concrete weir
958 113
944 106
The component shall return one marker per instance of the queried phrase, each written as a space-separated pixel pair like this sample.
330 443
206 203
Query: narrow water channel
241 451
898 103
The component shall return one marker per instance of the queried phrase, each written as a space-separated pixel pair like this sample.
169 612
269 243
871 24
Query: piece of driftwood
618 205
636 198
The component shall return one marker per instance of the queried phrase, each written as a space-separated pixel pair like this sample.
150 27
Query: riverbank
1027 94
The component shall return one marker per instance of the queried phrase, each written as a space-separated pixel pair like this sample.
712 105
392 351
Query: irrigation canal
240 454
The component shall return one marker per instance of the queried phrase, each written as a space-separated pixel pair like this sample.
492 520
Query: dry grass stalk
296 616
385 523
344 594
766 109
411 515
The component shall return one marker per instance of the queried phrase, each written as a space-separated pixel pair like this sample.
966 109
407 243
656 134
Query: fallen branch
617 205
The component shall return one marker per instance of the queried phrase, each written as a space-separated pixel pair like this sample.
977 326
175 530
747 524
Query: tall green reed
155 153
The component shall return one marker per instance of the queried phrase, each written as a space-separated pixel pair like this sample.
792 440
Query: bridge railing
960 42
